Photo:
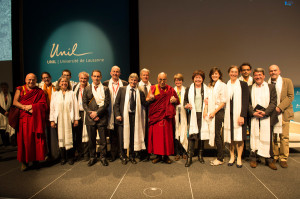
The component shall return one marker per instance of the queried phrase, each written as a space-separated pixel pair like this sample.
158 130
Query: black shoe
133 161
63 161
239 166
86 158
188 162
92 161
147 158
104 162
71 161
231 164
36 165
123 160
112 159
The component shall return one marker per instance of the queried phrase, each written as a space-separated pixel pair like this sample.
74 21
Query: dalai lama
163 99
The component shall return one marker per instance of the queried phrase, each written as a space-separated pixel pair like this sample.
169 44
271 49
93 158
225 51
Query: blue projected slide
5 30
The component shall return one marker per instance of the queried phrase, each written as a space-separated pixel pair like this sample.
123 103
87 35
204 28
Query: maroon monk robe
31 135
161 121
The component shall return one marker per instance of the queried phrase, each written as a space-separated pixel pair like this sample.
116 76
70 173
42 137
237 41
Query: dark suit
269 112
89 104
119 111
82 148
113 134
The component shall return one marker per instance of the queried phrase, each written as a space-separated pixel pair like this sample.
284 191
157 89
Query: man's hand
278 110
150 98
6 114
173 100
28 108
204 114
53 125
96 119
93 114
258 115
188 106
119 118
241 121
75 123
206 101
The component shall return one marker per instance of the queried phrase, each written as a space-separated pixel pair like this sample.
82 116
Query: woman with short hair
181 142
194 103
235 121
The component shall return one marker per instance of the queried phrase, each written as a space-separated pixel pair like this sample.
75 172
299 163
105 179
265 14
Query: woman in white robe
64 112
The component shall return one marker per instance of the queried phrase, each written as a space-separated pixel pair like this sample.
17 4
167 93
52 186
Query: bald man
114 84
32 105
163 99
284 109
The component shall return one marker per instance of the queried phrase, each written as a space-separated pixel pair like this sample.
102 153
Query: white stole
278 125
143 115
112 102
181 128
235 91
260 137
193 119
139 143
85 137
64 118
249 82
5 106
212 94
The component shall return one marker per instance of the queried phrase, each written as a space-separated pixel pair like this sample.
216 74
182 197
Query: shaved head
30 80
162 79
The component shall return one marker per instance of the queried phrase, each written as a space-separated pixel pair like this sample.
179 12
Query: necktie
132 101
145 90
95 88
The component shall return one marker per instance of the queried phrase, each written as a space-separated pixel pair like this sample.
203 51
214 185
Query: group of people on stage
61 119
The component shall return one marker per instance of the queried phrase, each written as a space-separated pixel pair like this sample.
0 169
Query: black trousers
52 142
121 137
92 133
4 137
114 141
219 119
77 135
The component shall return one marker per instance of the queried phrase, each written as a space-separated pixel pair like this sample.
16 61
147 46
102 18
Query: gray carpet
145 180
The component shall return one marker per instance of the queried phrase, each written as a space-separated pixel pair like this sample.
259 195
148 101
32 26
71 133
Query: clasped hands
259 114
27 108
94 116
53 125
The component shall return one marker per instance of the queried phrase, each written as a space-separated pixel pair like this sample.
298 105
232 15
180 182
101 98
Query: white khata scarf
64 123
278 126
112 102
3 119
5 106
181 128
212 94
85 137
249 82
233 91
139 143
193 119
260 137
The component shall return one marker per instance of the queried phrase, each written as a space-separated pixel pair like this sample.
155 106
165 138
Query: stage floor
146 180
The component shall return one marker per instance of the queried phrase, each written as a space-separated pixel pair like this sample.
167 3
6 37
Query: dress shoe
177 157
147 159
283 164
92 161
104 161
133 161
167 159
253 164
275 161
189 161
112 159
86 158
200 157
216 162
123 160
36 165
71 161
230 163
157 159
63 161
272 165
